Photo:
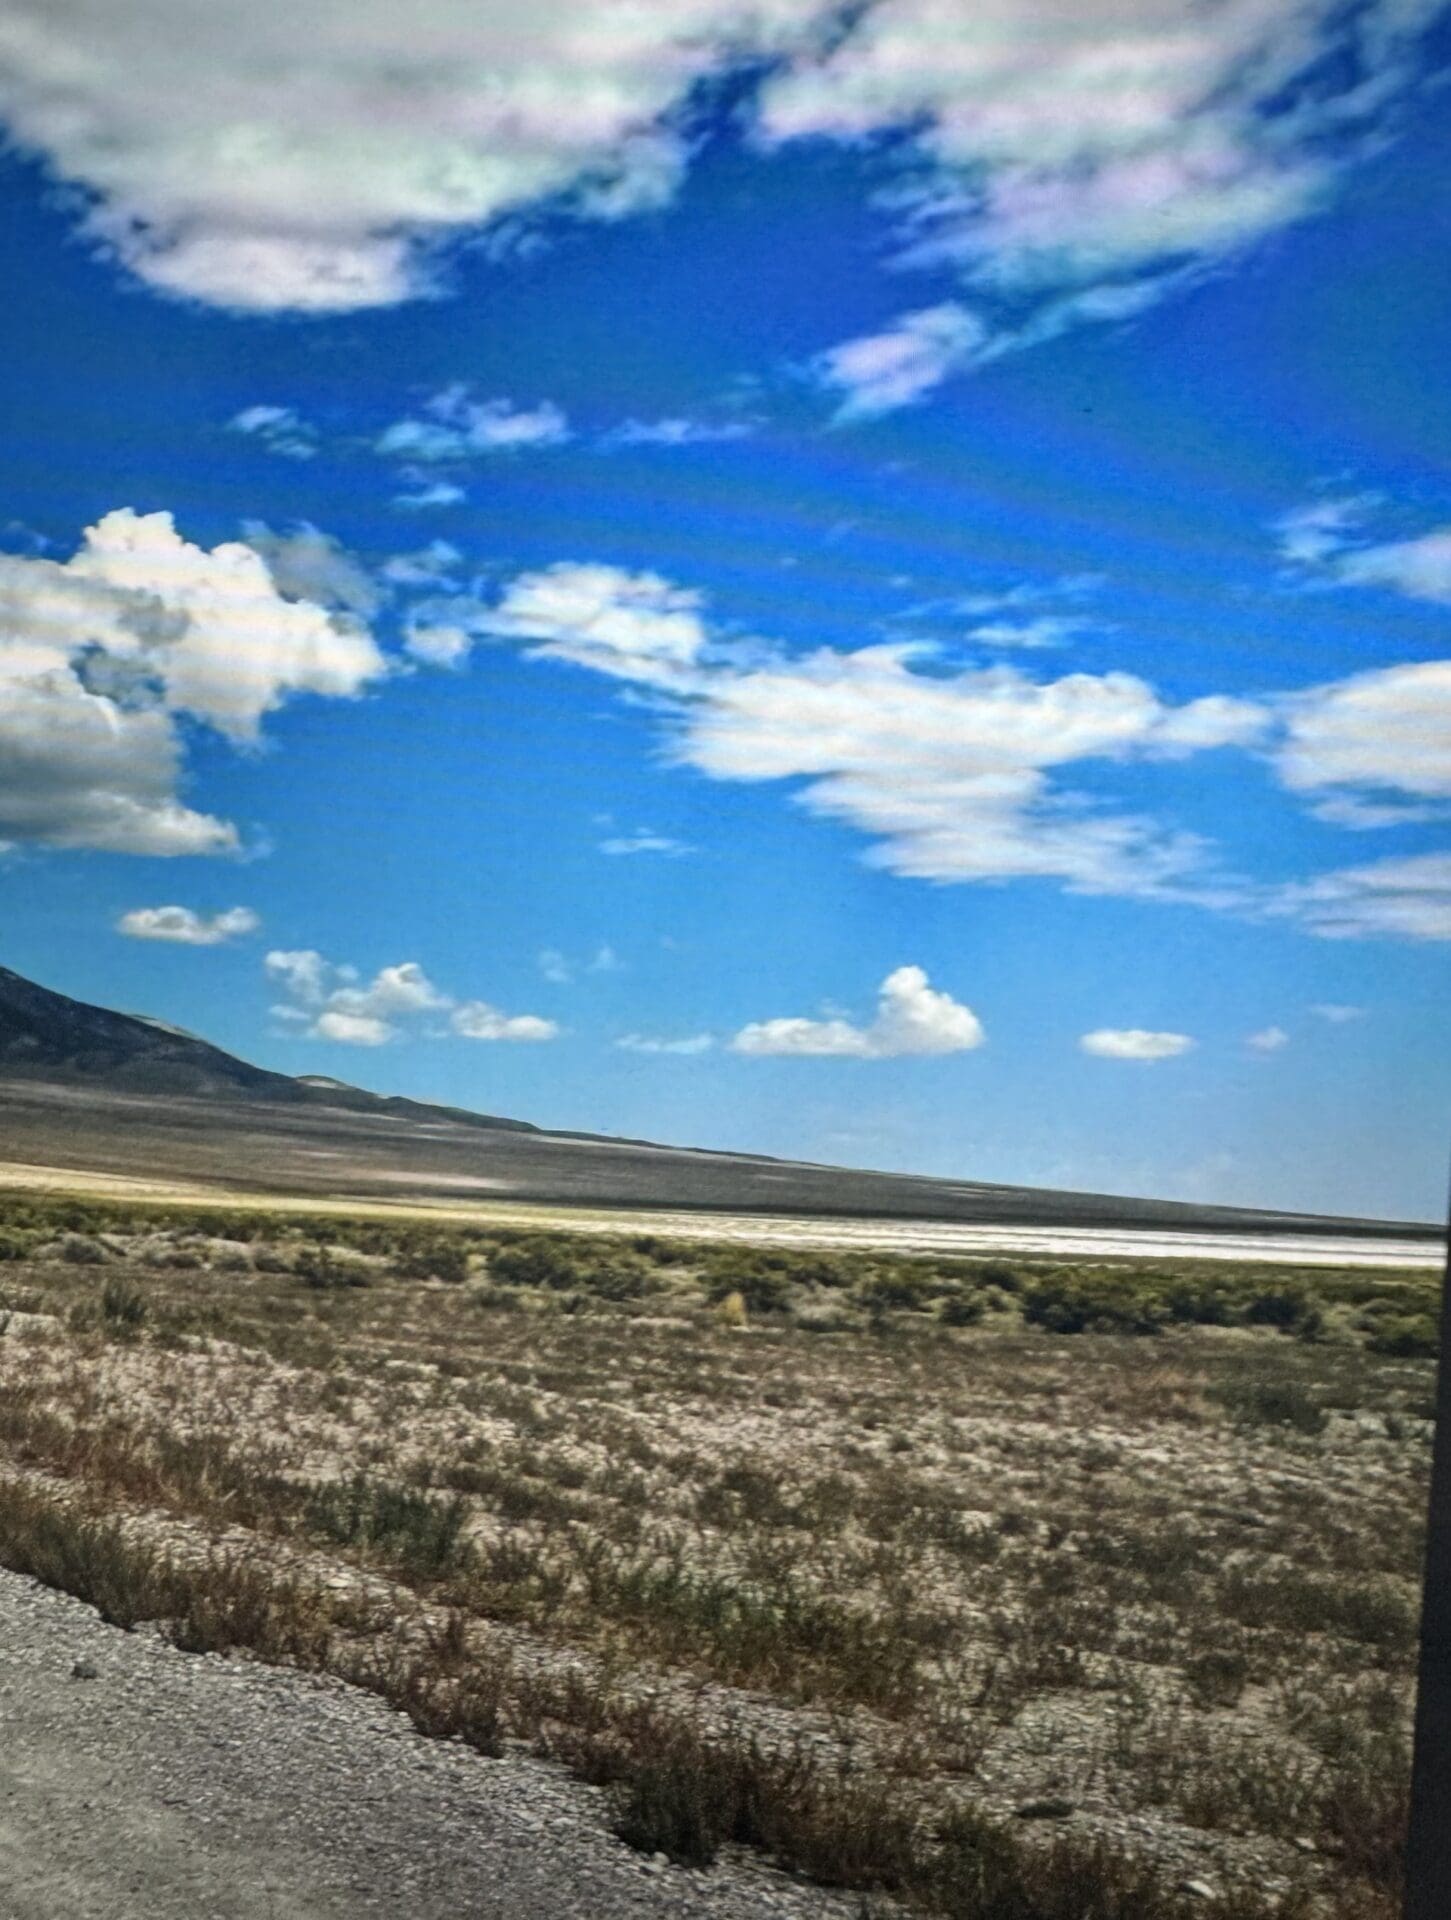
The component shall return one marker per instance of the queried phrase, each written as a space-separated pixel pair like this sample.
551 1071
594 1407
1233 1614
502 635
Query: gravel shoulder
140 1783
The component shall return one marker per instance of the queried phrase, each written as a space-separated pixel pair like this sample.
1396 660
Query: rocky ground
141 1783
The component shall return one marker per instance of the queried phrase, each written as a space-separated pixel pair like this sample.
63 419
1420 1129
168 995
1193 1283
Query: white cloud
1419 568
441 646
1047 630
424 496
280 429
99 653
1074 160
308 157
1336 1013
315 158
644 840
307 564
1134 1043
561 971
430 566
398 999
303 973
1327 536
557 969
674 431
902 364
1406 899
689 1044
459 426
1268 1040
477 1020
960 772
912 1018
1388 729
352 1029
1313 534
633 626
187 928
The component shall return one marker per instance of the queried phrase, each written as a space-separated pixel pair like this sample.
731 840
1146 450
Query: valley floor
1000 1590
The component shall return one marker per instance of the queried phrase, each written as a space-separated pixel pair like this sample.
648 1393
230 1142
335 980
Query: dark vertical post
1428 1847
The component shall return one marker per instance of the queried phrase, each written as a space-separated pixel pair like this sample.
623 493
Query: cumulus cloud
280 430
1336 1012
459 426
688 1044
334 1004
1134 1043
100 653
313 159
477 1020
912 1018
186 927
1400 898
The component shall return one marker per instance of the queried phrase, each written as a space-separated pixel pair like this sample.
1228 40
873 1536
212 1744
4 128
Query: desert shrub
536 1262
323 1267
123 1308
1089 1302
422 1533
1217 1677
962 1310
1406 1336
994 1273
433 1260
80 1250
15 1246
1291 1308
1267 1401
895 1289
763 1288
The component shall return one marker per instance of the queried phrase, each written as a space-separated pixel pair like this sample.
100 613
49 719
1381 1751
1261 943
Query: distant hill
49 1037
87 1089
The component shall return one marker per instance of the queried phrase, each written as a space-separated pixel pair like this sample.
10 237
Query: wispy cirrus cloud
459 427
281 430
959 771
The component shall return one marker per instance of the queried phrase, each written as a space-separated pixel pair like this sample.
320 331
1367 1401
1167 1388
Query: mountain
49 1037
87 1090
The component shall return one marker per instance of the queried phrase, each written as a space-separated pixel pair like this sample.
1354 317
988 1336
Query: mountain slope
87 1089
49 1037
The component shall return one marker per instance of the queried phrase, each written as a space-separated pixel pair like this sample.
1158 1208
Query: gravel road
139 1783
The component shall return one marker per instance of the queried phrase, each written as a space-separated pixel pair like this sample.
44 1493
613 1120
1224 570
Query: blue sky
867 588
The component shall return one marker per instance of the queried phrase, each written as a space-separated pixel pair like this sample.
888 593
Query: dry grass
851 1559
